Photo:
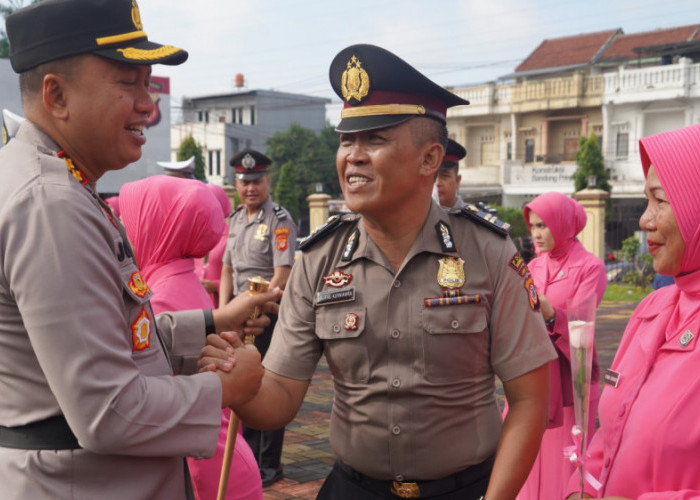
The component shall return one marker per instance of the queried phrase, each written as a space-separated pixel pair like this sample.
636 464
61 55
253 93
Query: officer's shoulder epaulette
485 219
238 208
324 230
279 212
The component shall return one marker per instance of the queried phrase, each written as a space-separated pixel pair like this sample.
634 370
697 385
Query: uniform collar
426 241
266 207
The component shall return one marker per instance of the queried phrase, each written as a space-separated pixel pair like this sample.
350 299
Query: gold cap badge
355 81
136 15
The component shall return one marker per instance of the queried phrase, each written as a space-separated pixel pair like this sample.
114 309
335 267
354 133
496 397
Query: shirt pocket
342 331
455 342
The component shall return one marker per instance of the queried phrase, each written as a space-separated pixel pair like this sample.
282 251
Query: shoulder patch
485 219
322 231
279 212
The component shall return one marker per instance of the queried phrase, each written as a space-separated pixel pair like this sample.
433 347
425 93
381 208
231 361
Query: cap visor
361 123
249 176
145 52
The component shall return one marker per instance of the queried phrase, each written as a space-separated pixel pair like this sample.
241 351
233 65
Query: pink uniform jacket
170 222
568 271
647 444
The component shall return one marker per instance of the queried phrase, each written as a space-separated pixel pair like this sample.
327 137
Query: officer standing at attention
416 310
448 178
89 406
261 242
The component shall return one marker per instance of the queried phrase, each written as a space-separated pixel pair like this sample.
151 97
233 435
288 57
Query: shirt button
398 477
395 334
396 430
397 283
336 328
455 324
396 383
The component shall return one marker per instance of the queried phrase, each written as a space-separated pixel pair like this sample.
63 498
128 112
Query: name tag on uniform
611 377
346 294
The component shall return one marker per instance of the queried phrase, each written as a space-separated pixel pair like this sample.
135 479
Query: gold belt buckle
405 490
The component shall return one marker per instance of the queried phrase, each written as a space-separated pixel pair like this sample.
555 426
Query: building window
622 145
211 163
529 150
252 115
509 151
218 162
203 116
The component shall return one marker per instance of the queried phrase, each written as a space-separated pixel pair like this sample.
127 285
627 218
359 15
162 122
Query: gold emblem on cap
451 272
248 161
355 81
136 15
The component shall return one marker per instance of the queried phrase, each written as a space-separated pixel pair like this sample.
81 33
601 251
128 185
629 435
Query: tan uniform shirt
255 248
78 338
414 385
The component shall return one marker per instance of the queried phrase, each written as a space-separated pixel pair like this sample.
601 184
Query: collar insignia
351 245
136 15
354 82
686 338
138 286
444 234
337 279
73 169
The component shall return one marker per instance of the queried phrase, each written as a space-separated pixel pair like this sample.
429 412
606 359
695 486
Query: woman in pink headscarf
210 271
563 270
647 445
171 221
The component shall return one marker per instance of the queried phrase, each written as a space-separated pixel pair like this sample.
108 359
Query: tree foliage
643 272
310 159
513 216
188 147
590 162
7 7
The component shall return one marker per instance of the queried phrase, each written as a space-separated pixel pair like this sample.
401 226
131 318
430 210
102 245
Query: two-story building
522 132
227 123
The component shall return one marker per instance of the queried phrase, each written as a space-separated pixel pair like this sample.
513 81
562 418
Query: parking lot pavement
307 456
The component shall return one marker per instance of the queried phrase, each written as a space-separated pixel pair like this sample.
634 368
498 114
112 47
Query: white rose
581 334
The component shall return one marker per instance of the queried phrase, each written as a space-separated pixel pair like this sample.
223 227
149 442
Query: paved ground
307 456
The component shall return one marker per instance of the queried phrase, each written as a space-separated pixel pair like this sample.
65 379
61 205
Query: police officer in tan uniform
261 242
448 177
89 406
416 310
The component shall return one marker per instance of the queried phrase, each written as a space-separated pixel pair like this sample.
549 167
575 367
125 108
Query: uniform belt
476 475
52 433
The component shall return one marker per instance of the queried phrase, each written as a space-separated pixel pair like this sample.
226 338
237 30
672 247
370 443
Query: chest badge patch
337 279
138 286
282 236
261 232
686 338
141 331
451 275
351 320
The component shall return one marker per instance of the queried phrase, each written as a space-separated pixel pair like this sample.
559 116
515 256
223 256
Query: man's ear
432 158
54 96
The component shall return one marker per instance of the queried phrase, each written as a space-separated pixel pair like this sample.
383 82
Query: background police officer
448 177
261 242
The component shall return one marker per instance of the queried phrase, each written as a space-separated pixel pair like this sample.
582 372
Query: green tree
643 272
590 162
287 192
311 158
189 147
6 8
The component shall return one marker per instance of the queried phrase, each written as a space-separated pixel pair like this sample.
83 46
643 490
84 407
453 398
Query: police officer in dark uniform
261 242
448 177
416 310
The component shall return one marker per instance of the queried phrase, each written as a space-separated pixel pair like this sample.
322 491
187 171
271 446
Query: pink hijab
170 221
113 202
564 216
675 156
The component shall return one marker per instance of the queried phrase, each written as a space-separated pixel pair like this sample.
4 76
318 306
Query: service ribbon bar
452 301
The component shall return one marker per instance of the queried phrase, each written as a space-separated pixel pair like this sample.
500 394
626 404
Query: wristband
209 326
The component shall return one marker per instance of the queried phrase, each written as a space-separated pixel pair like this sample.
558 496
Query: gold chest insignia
451 273
261 232
355 81
136 15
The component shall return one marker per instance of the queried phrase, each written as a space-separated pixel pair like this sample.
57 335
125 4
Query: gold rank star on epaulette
485 219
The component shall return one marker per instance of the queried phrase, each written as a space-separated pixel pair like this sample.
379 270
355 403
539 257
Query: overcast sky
287 45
